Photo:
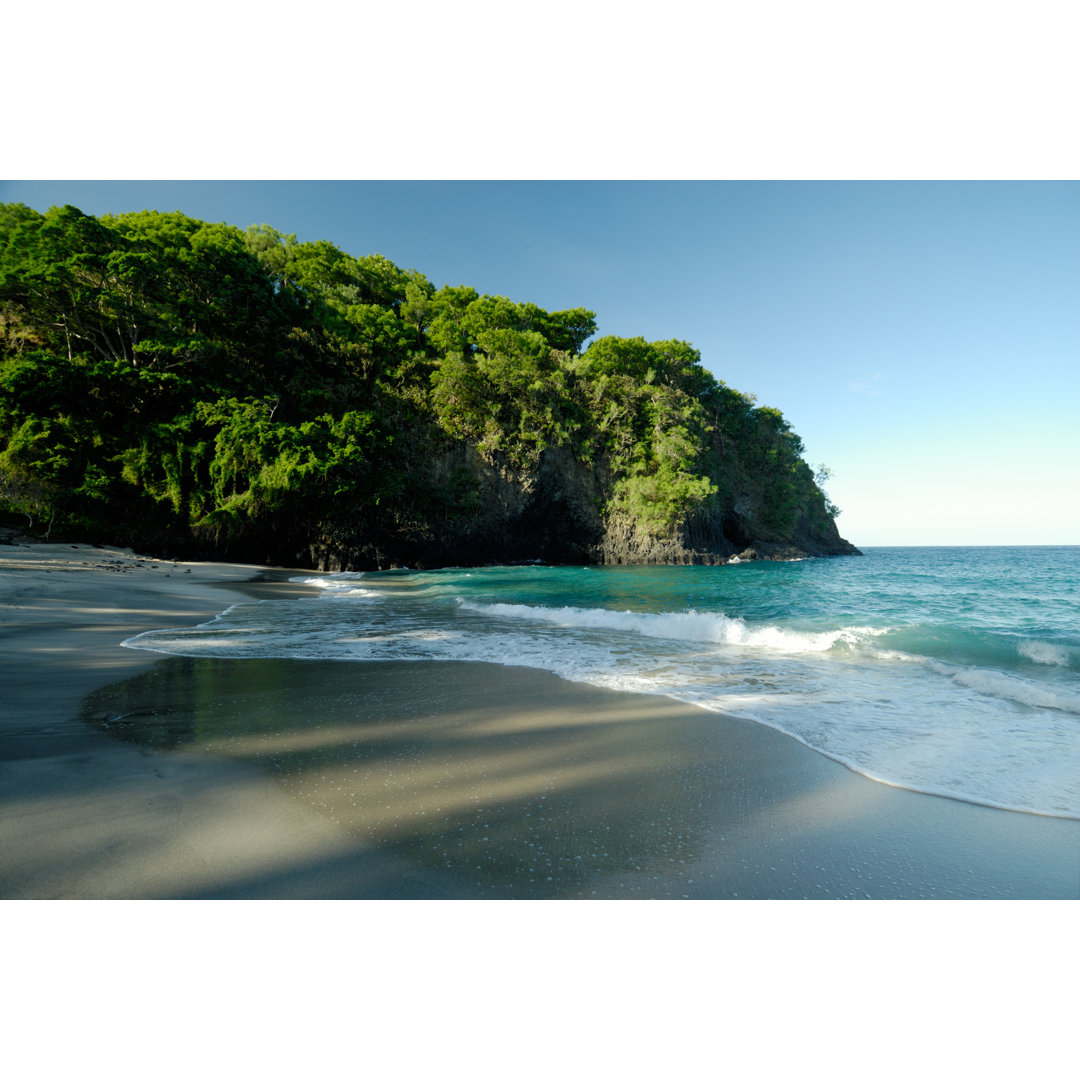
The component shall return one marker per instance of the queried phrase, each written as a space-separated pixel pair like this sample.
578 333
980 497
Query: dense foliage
166 381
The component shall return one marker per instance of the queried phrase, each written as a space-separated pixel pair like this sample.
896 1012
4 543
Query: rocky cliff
554 514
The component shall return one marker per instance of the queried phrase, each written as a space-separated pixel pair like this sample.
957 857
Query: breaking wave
696 626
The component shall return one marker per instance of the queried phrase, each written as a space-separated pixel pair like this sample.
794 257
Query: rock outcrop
553 514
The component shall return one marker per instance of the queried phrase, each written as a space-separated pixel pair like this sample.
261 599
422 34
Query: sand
128 775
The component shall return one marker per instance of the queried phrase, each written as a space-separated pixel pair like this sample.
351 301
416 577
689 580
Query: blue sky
923 338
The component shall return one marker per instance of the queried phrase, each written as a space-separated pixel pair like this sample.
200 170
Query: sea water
953 671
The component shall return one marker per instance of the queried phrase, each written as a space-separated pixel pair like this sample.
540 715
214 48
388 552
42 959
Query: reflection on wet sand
511 783
523 799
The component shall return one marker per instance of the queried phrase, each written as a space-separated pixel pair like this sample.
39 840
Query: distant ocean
954 671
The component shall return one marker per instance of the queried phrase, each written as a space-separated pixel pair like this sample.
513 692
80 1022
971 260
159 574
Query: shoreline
83 815
446 779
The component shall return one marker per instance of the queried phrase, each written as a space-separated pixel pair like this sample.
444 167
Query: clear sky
923 338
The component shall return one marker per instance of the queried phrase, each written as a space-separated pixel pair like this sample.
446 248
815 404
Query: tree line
166 381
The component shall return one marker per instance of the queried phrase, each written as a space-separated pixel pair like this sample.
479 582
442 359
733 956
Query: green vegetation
173 383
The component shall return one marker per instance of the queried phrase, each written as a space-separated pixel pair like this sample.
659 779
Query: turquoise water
954 671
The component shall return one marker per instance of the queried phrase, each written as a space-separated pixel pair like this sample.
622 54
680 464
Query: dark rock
552 514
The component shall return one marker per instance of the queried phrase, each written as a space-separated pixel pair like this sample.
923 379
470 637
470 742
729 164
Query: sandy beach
124 774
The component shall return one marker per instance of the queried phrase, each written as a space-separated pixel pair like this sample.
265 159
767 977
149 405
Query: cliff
553 514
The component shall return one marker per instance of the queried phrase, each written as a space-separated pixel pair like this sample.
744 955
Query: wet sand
127 775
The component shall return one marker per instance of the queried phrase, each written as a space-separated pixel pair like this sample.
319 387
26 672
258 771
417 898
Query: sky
922 337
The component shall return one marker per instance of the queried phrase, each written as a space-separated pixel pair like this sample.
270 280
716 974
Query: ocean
953 671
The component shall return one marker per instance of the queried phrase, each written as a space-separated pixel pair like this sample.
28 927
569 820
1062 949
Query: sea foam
1045 652
1011 687
343 584
705 627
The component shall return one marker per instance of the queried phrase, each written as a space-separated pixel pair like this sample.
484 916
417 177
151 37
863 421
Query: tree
273 249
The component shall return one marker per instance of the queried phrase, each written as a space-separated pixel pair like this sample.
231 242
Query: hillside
191 388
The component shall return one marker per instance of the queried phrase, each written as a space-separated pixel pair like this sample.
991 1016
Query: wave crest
1010 687
343 584
1045 652
706 627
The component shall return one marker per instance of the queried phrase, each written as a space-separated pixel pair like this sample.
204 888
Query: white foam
1011 687
403 635
713 628
343 584
1044 652
330 581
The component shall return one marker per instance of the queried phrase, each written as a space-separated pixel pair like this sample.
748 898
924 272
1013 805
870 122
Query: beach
126 775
